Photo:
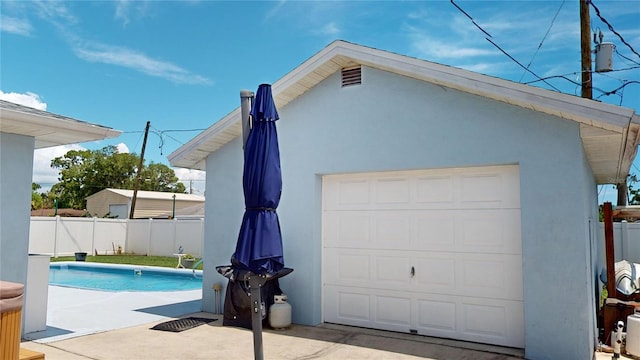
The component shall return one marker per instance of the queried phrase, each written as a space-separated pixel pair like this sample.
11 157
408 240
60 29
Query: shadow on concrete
174 310
408 344
50 331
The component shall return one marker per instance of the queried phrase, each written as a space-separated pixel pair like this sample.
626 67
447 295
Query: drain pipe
217 298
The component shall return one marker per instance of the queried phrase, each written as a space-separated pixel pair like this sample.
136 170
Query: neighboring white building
423 198
149 204
22 130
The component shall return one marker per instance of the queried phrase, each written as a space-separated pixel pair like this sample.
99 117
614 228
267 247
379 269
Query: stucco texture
391 122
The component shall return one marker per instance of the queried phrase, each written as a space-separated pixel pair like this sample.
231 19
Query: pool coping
158 269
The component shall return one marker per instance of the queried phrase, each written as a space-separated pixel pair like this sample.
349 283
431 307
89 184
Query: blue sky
181 64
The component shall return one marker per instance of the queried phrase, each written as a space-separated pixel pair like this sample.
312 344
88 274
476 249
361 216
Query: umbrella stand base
237 299
257 310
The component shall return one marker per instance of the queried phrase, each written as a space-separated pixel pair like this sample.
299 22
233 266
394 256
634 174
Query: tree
85 172
37 200
159 177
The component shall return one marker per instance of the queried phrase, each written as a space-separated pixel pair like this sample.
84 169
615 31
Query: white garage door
434 252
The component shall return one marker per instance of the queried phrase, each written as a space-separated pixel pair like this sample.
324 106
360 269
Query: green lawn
163 261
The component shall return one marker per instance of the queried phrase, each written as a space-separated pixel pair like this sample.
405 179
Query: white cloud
122 11
122 148
55 12
43 174
433 49
193 180
15 26
330 29
29 99
275 9
132 59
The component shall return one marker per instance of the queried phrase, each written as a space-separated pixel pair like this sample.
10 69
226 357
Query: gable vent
351 76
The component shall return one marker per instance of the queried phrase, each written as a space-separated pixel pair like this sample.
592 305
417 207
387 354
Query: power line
543 39
627 58
499 48
470 18
612 29
522 66
614 91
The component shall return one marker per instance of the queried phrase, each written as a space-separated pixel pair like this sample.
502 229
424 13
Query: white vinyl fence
58 236
63 236
626 242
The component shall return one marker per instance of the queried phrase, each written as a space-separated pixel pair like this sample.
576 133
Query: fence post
55 237
624 240
202 239
149 237
175 233
93 236
126 235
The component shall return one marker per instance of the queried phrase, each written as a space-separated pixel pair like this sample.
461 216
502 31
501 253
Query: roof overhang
609 132
47 128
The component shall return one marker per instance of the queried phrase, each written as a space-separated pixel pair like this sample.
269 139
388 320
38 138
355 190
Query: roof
154 195
49 129
610 133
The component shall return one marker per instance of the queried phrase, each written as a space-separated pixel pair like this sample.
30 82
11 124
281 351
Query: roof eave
51 131
340 54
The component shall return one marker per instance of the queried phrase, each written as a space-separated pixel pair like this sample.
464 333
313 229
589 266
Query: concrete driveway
214 341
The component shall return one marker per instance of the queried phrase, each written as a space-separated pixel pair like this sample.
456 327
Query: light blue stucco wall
392 122
16 169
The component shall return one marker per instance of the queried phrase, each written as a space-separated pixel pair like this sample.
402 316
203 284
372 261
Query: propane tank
633 333
616 342
280 313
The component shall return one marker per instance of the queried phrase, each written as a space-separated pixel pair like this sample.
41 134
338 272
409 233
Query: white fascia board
75 130
586 111
178 157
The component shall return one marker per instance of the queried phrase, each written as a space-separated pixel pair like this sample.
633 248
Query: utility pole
585 46
136 183
587 83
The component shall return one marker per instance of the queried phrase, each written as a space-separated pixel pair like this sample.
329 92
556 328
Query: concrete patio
117 326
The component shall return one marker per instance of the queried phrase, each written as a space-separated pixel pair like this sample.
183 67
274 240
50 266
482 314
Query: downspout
629 146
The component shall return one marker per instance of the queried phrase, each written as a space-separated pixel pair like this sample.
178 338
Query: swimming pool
117 277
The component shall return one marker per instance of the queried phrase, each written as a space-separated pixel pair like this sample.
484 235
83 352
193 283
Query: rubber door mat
182 324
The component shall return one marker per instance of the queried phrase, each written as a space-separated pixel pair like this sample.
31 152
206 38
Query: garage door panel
435 231
489 231
490 276
436 316
491 321
357 307
393 311
435 273
352 193
352 268
392 230
348 229
488 187
392 269
495 322
475 275
434 191
351 306
395 191
437 251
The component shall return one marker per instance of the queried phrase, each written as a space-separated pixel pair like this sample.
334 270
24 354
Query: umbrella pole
246 97
255 285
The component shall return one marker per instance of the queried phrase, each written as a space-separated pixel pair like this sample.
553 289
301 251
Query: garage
436 252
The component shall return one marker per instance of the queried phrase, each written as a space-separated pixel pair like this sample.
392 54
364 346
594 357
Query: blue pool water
115 277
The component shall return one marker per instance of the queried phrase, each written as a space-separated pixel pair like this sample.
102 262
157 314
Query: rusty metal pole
136 182
609 250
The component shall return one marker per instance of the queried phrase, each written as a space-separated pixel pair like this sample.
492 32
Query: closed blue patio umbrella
257 262
259 246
